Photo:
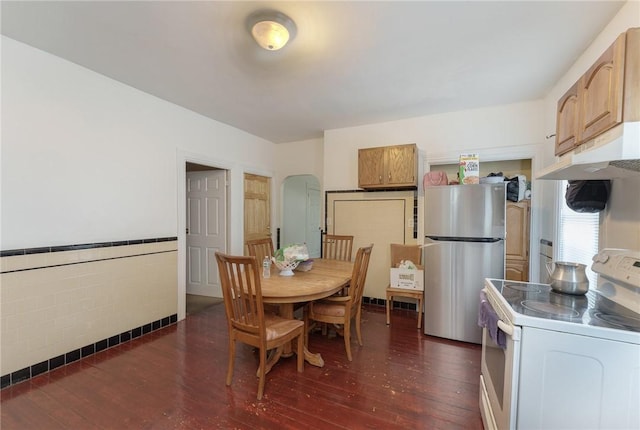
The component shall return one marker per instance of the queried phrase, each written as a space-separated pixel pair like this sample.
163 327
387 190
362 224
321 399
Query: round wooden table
325 278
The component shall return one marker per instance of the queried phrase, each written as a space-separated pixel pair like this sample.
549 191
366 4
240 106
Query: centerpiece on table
288 257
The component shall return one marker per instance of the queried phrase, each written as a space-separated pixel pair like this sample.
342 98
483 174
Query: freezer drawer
454 275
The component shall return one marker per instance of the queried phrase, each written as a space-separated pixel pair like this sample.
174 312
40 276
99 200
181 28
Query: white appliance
557 361
613 154
464 243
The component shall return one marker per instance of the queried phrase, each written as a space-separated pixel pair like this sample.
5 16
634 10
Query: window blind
578 235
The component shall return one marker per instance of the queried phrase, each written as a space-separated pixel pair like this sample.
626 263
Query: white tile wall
53 303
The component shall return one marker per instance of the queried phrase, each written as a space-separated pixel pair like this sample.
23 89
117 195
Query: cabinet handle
389 176
380 179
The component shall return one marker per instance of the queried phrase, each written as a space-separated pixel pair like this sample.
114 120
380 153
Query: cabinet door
567 121
371 167
517 240
601 92
516 270
401 165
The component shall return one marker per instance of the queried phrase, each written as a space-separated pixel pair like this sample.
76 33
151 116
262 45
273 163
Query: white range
559 361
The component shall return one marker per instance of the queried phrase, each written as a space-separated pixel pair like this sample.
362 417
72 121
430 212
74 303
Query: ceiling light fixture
271 29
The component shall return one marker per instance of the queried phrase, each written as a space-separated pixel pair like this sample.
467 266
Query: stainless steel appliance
546 257
464 243
553 360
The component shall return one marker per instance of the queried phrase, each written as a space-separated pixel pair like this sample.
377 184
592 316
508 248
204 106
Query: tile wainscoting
62 303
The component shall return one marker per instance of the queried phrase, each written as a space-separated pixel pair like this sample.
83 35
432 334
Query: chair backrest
240 280
359 275
401 252
259 248
337 247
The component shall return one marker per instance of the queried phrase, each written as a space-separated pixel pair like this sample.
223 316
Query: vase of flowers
288 257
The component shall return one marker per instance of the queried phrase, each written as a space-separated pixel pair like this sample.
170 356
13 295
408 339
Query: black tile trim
60 248
88 261
86 246
396 304
86 351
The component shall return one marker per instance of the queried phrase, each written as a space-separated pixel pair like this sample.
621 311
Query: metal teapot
568 278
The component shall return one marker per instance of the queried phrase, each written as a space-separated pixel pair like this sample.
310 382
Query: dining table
325 278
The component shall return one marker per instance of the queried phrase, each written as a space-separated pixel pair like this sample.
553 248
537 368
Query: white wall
456 132
303 157
88 159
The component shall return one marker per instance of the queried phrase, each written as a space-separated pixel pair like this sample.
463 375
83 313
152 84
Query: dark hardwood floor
175 379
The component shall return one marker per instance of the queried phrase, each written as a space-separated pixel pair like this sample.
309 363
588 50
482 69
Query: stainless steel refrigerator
464 243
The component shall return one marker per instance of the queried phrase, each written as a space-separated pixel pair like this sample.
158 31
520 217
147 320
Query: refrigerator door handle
465 239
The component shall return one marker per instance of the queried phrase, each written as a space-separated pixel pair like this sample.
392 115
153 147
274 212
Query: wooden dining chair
401 252
337 247
340 310
248 322
260 248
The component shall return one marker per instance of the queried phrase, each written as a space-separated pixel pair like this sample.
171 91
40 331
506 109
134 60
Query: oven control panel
618 265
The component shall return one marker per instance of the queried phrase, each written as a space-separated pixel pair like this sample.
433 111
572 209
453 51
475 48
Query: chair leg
347 337
358 332
389 303
232 353
261 372
324 328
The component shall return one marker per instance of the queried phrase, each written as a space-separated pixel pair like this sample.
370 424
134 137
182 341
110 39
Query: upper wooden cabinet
601 92
567 121
388 167
606 95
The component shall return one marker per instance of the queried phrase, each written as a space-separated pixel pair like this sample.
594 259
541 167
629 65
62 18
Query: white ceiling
351 63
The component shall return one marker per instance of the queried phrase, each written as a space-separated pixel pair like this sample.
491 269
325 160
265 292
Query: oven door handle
505 328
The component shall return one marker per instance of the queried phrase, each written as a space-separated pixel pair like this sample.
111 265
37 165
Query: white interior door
206 230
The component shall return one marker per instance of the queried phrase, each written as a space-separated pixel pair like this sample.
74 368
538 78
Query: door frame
182 158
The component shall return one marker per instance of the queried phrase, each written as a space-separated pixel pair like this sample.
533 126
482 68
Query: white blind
577 236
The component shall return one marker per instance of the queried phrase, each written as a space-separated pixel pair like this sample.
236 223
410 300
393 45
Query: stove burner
523 287
550 308
620 321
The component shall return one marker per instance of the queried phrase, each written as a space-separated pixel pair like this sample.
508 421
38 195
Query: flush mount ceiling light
271 29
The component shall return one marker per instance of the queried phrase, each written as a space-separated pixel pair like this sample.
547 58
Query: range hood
613 154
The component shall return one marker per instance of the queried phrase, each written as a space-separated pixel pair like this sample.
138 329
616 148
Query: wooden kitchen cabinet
388 167
567 118
601 89
606 95
517 241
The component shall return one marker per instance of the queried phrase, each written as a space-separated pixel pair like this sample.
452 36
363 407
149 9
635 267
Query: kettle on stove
568 278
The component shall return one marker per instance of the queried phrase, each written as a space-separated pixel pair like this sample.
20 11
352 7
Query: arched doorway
301 205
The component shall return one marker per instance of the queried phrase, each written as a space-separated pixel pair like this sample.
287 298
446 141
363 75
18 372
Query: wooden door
517 241
601 92
257 208
206 230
